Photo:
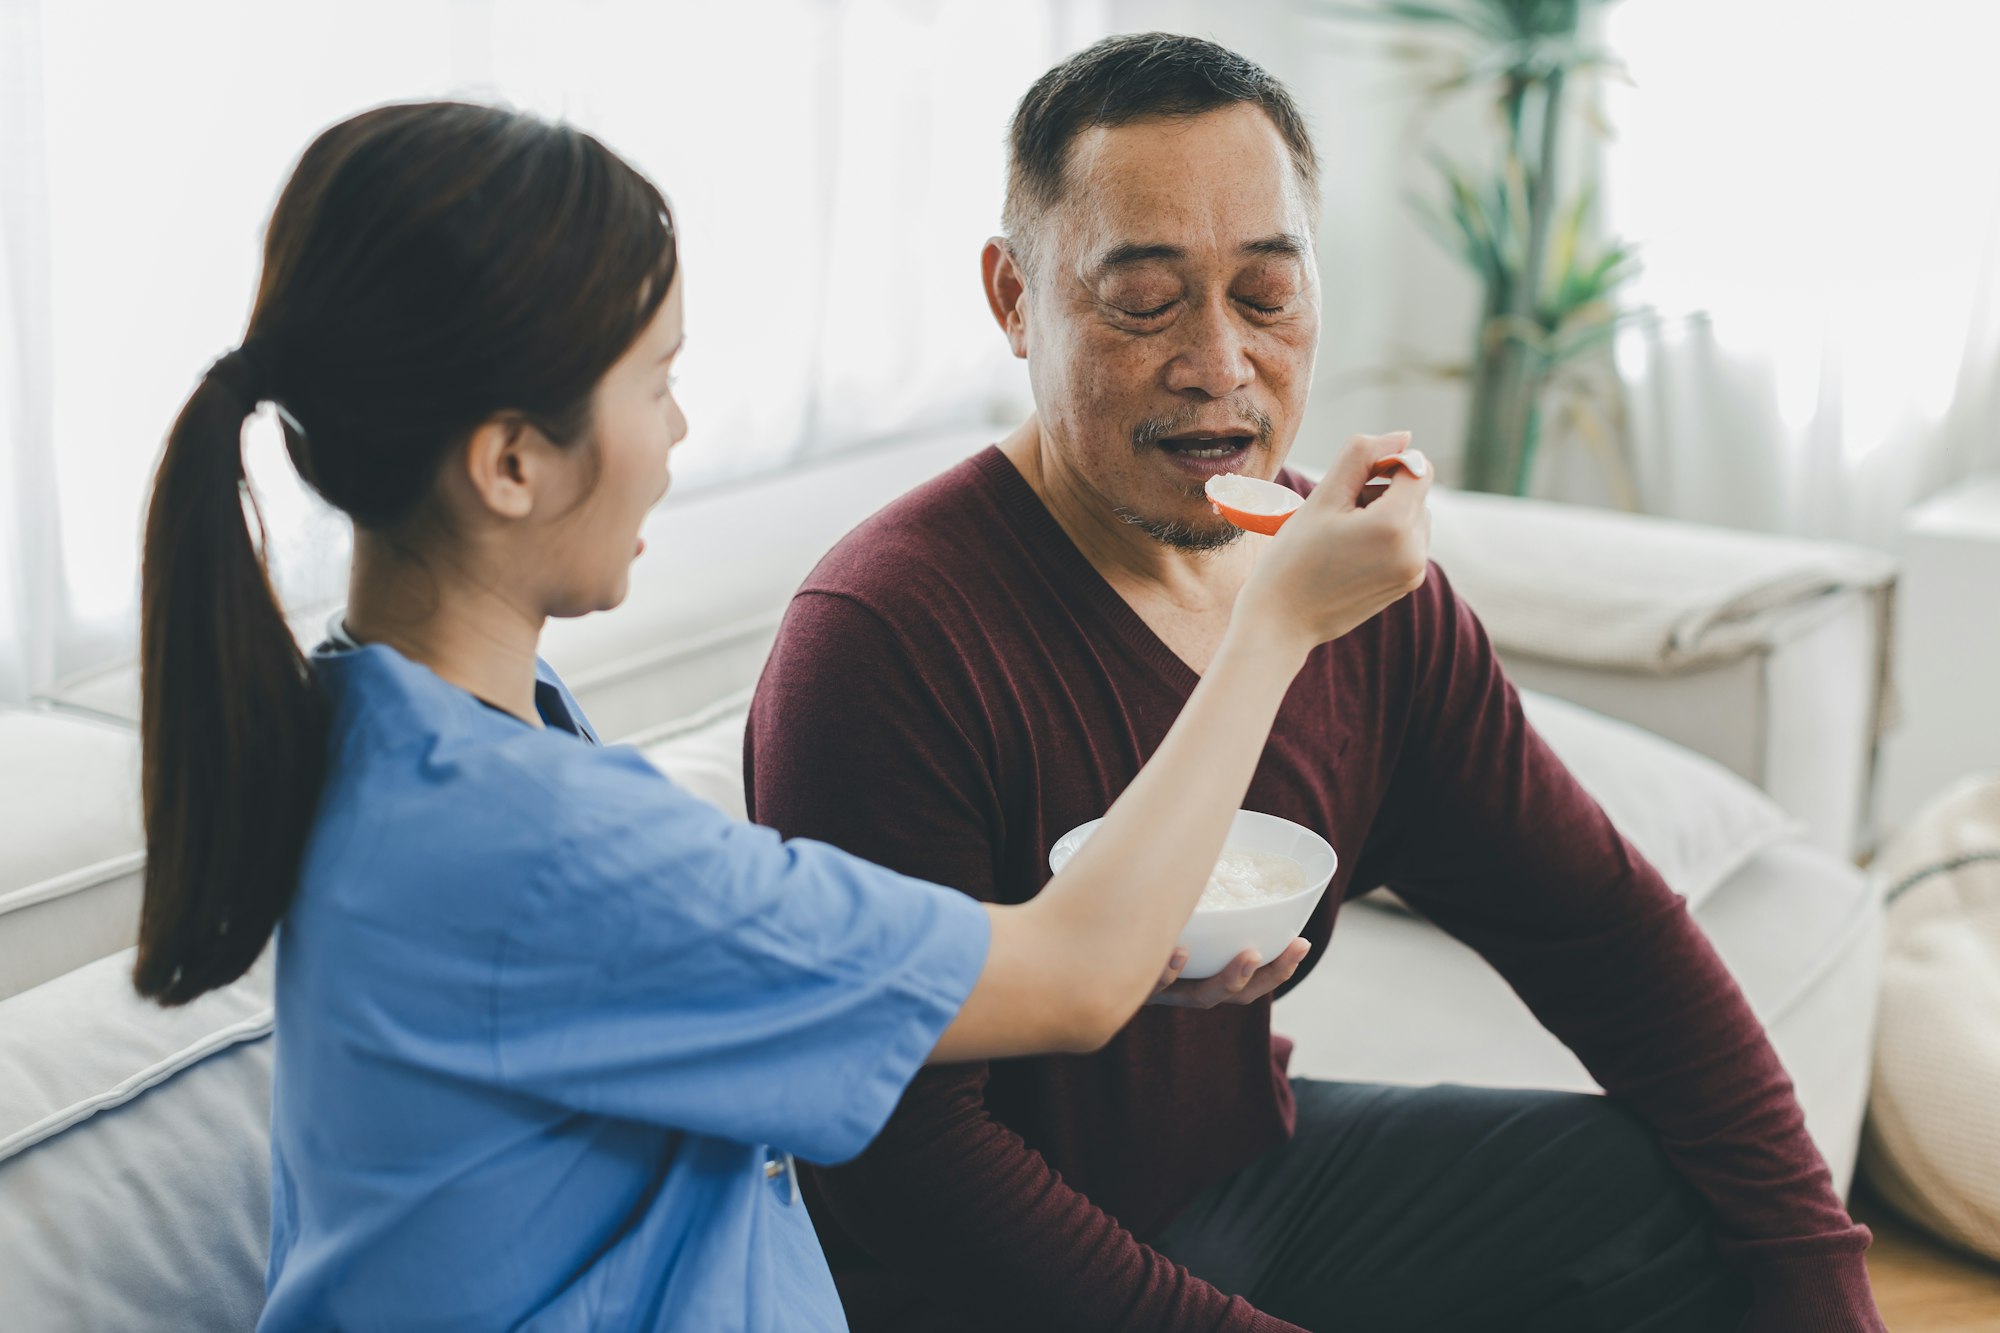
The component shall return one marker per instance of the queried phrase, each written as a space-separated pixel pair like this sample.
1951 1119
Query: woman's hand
1337 564
1243 981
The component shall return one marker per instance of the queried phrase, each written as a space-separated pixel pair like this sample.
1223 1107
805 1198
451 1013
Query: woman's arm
1067 969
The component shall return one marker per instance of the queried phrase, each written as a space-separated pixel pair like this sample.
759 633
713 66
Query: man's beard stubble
1178 533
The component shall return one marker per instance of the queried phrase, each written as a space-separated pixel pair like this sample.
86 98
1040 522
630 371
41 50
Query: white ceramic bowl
1216 935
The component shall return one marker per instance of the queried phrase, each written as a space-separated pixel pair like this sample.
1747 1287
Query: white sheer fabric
1816 214
834 169
25 592
1816 205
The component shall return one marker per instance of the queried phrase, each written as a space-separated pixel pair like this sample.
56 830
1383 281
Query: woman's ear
501 463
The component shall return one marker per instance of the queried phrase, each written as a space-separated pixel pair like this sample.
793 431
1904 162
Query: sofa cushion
704 754
112 691
1697 822
1693 819
1396 1000
1655 594
134 1154
71 844
720 567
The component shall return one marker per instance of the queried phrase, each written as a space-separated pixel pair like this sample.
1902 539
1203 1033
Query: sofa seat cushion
71 844
703 754
134 1154
1396 1000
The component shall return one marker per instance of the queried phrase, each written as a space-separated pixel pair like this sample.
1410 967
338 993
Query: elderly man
986 663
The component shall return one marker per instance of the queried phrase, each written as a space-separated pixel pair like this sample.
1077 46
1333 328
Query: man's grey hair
1138 76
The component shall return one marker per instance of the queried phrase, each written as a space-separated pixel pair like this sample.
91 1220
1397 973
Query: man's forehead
1169 188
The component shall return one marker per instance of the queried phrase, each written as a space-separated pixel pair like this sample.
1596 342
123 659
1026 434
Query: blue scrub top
548 1028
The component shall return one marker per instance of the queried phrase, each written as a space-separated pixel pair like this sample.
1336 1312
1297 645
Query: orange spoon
1379 472
1262 506
1250 503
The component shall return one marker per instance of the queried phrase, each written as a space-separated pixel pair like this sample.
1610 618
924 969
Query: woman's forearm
1066 969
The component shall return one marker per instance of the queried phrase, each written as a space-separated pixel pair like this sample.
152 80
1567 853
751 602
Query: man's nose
1213 356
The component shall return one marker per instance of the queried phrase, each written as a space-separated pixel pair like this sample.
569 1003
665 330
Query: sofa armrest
1767 654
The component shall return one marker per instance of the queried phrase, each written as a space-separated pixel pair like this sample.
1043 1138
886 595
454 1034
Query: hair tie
245 372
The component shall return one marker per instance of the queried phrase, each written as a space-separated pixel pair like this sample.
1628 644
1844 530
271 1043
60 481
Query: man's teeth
1221 449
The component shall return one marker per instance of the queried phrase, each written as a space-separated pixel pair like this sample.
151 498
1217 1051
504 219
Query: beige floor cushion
1932 1145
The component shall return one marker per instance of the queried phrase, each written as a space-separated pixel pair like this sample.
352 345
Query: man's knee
1616 1165
1652 1245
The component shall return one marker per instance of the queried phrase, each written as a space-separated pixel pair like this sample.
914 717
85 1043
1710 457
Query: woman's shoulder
446 792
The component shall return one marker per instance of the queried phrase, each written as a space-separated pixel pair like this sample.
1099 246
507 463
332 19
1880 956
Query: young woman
548 1027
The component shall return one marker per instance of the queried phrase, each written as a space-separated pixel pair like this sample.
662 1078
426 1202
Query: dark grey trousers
1450 1208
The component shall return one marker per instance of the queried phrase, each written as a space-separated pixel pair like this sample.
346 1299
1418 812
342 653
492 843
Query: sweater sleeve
852 743
1497 843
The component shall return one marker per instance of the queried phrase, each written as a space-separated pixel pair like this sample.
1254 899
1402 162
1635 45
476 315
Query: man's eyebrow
1129 253
1283 243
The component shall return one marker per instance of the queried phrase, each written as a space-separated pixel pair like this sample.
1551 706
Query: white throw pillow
1696 822
1693 819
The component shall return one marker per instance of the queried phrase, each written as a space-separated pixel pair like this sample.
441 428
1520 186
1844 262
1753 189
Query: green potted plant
1549 289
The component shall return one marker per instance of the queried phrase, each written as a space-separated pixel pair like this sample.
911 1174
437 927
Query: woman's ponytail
234 735
429 266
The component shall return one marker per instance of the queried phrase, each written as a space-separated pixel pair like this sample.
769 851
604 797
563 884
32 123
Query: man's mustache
1151 431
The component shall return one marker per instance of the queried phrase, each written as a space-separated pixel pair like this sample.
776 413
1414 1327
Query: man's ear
1006 292
500 464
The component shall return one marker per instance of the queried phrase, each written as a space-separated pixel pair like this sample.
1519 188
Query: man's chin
1207 533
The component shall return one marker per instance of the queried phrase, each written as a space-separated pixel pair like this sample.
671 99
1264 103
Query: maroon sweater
955 687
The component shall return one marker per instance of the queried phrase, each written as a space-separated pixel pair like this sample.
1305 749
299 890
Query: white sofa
133 1141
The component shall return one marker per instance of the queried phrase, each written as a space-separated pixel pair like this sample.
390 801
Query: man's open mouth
1207 444
1201 454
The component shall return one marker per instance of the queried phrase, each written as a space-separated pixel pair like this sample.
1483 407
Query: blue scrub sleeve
675 966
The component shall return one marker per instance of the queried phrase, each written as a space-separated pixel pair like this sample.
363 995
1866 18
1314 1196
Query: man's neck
1144 570
441 615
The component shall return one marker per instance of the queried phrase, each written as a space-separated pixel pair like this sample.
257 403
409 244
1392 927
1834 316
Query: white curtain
24 531
1816 208
834 167
1815 195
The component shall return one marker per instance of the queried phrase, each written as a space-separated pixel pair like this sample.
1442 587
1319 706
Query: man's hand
1241 982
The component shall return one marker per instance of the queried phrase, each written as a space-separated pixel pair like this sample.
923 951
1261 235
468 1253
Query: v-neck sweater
956 686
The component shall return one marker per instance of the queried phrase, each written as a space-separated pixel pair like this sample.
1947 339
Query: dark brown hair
1137 76
428 267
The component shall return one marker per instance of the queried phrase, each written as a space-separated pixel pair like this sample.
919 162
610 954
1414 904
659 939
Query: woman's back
430 1172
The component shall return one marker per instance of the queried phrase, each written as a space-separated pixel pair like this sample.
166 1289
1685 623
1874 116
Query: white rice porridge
1244 878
